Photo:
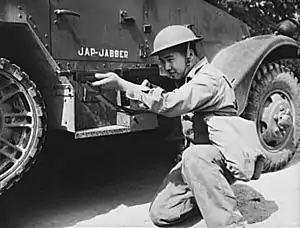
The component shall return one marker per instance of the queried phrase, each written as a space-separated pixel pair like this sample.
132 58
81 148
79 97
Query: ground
110 183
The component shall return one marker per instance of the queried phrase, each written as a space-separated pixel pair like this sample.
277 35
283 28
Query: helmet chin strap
188 51
188 58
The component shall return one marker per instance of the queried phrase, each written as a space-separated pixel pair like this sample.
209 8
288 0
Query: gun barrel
134 75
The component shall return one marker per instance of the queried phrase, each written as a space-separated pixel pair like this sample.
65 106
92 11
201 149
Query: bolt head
281 108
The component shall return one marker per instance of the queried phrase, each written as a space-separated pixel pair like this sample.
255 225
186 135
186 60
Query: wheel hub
276 119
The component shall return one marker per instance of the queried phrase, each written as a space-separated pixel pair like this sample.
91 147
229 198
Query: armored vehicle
50 49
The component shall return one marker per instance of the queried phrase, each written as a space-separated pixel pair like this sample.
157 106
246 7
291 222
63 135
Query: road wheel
273 103
22 123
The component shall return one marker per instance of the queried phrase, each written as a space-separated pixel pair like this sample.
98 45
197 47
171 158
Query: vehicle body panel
92 40
99 27
218 28
101 39
97 34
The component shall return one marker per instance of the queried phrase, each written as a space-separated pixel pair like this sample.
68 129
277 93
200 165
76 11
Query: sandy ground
109 183
273 201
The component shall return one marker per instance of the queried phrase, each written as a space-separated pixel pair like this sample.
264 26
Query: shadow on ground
74 181
253 206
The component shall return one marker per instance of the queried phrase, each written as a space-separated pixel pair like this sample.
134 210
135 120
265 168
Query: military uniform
223 148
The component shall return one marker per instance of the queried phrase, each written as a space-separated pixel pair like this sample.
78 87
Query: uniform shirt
206 90
208 98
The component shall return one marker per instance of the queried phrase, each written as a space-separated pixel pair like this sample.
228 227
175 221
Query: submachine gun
133 74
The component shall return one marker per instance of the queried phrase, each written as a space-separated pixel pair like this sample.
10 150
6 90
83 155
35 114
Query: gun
135 75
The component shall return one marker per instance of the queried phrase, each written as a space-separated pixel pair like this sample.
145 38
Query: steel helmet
171 36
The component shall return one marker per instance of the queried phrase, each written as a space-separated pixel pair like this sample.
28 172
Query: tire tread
266 75
15 71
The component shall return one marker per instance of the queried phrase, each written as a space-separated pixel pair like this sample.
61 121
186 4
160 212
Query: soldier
222 147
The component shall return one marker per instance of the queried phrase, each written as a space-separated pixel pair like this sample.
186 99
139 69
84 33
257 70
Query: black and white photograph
149 113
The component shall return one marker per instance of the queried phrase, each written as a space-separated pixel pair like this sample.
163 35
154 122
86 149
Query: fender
20 44
240 61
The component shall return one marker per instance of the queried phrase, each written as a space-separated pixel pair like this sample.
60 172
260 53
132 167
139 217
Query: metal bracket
65 12
194 29
144 50
147 29
124 18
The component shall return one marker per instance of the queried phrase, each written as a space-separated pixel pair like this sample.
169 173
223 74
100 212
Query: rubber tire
35 98
269 77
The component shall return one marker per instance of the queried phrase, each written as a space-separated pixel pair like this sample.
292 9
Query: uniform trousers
198 184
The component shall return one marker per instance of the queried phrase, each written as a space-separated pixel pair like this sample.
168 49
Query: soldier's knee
199 153
157 216
154 217
163 214
189 154
190 162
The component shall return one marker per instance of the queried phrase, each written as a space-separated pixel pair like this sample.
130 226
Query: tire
22 123
274 90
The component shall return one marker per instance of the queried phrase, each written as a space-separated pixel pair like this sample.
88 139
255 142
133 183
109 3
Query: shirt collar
196 68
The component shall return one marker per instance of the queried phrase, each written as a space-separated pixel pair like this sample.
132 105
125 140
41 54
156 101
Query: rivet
46 35
34 26
19 7
46 45
281 108
20 15
29 17
55 21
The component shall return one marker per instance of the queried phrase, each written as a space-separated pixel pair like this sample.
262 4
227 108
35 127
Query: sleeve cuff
136 95
136 100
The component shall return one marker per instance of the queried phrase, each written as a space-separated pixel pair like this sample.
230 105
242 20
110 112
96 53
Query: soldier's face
174 63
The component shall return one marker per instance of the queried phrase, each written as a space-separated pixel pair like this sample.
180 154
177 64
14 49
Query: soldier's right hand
108 80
